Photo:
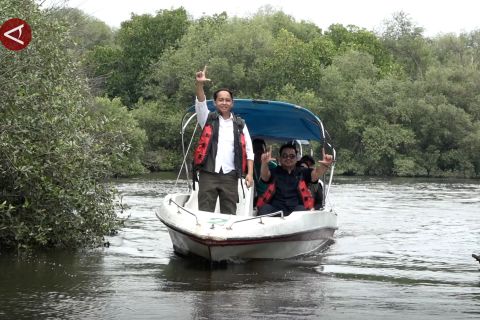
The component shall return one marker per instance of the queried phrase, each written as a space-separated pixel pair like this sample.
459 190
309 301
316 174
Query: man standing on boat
224 152
288 184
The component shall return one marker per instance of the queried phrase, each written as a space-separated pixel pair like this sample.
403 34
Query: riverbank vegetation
84 103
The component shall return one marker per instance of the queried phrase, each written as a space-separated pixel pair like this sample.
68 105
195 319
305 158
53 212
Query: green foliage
453 51
292 61
162 159
51 165
460 85
406 167
344 90
231 50
142 39
102 66
162 127
277 22
121 136
349 163
428 160
354 65
118 69
307 99
382 145
85 31
470 144
407 44
357 39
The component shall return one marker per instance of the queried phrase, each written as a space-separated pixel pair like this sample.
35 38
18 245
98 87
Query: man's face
288 158
224 102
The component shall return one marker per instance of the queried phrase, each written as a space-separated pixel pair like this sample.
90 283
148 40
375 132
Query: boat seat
192 201
244 206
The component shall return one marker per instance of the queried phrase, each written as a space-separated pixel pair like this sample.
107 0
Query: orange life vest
244 153
201 151
267 195
304 191
307 198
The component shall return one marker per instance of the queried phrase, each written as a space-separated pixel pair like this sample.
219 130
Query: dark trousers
270 208
224 186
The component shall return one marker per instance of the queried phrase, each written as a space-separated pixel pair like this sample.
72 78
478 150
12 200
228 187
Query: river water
402 251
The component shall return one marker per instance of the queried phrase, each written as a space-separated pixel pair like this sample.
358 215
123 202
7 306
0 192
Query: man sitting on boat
288 184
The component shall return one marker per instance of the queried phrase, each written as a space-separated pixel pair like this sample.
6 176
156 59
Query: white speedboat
244 236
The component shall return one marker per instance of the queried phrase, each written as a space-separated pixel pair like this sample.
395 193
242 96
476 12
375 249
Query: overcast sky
440 16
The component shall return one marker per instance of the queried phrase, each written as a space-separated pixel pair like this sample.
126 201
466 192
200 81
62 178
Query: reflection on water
198 275
403 250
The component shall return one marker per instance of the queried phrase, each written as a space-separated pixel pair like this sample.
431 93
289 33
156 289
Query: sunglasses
289 156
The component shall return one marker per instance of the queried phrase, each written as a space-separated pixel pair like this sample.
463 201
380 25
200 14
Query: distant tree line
84 103
396 103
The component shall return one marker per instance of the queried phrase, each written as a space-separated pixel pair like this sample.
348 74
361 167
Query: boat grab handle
258 217
183 208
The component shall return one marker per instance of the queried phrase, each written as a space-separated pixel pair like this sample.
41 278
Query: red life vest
202 148
244 153
266 196
304 191
201 151
307 198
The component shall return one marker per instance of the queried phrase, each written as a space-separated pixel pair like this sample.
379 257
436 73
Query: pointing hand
201 76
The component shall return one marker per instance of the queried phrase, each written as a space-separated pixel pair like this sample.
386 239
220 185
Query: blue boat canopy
276 120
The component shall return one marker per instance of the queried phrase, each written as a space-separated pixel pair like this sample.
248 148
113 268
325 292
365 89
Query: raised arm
265 170
322 166
200 79
201 103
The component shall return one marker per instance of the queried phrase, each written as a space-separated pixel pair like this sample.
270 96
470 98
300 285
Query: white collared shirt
225 151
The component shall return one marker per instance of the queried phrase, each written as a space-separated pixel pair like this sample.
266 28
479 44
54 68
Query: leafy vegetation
57 149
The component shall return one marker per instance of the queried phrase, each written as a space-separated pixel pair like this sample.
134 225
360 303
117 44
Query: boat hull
219 237
246 249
